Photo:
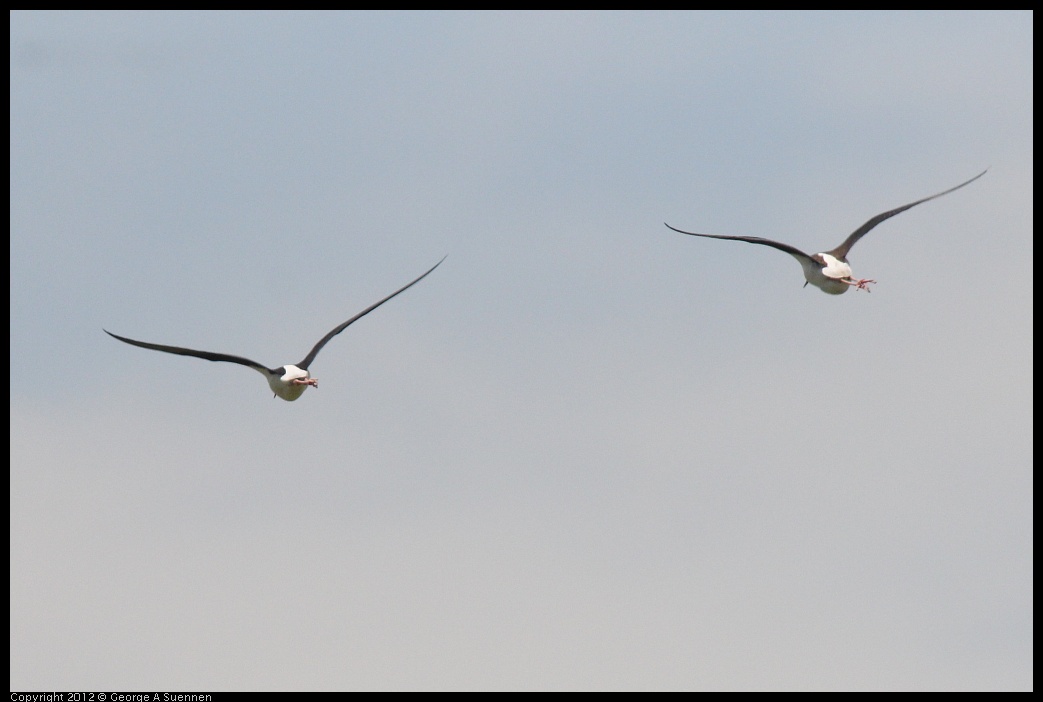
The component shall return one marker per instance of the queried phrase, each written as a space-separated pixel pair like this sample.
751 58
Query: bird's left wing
206 355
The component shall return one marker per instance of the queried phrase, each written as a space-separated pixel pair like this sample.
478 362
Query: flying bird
829 271
288 382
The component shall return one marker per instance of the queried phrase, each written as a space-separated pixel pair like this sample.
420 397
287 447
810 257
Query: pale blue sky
586 452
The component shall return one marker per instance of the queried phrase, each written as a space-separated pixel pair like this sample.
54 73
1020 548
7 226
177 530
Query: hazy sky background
586 452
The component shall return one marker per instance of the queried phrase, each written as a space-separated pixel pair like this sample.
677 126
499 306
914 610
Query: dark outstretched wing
791 250
205 355
842 250
341 327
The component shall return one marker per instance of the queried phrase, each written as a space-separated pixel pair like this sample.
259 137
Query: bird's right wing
842 250
344 325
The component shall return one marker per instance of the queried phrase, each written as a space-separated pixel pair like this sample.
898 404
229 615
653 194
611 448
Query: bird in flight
288 382
829 271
